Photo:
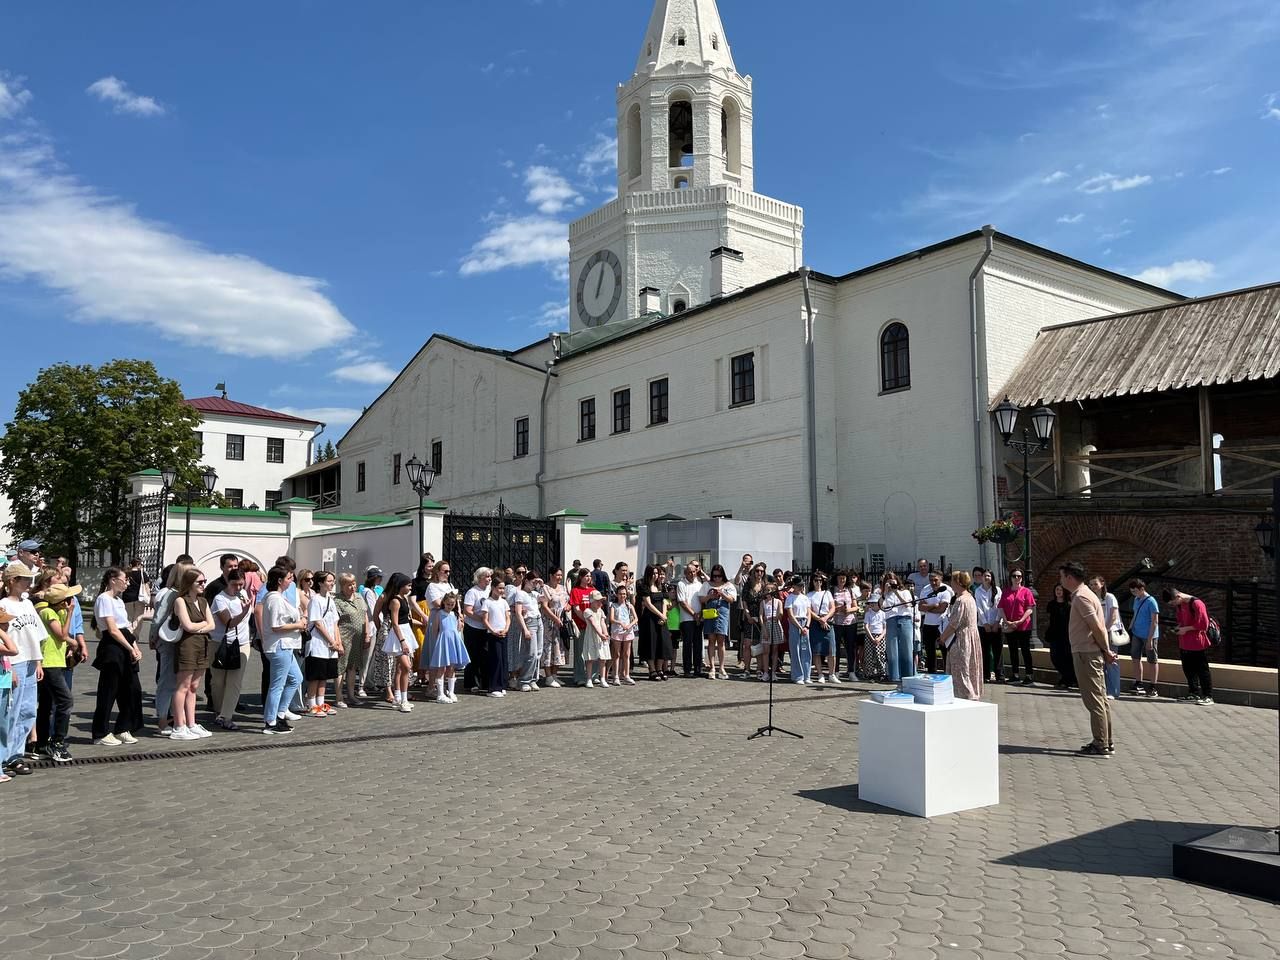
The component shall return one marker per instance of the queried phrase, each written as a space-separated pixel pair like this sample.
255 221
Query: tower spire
687 31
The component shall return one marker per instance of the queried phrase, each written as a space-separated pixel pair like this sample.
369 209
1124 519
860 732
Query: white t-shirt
821 602
27 630
498 612
436 591
370 598
942 595
527 603
322 610
690 593
238 634
895 603
277 610
874 621
799 607
1109 607
475 599
986 599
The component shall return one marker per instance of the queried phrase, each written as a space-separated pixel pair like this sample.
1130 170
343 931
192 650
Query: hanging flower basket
1002 531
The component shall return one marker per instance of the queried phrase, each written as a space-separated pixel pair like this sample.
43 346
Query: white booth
716 541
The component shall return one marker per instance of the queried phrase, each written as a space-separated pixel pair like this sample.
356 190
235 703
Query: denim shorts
1138 646
822 641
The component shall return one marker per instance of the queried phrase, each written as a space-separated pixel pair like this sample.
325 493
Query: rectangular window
235 446
275 449
658 402
395 471
522 437
199 443
622 411
273 499
360 477
437 456
587 419
744 379
235 497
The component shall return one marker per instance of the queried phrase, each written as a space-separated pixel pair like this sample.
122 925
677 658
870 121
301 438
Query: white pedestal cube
929 760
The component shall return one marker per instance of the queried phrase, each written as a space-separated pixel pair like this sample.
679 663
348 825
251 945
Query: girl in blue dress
448 653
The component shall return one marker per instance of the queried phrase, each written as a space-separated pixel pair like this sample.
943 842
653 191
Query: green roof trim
227 512
349 518
433 505
569 513
609 528
153 472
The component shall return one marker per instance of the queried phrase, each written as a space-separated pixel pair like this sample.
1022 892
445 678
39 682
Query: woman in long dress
961 640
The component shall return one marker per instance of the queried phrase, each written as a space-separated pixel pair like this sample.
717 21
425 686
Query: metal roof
221 406
1225 338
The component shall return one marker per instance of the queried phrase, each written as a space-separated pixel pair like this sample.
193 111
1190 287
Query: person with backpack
1193 643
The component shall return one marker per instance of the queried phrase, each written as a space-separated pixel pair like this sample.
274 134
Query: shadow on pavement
846 798
1136 848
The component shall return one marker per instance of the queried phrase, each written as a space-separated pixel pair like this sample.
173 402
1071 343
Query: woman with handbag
717 602
165 634
117 664
231 615
357 634
193 657
1115 634
553 600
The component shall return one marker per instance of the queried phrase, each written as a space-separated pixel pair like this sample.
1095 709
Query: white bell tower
686 183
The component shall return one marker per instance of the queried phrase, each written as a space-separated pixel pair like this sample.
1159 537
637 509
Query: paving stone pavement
637 822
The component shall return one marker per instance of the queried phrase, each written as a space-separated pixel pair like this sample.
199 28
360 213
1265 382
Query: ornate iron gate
499 539
149 516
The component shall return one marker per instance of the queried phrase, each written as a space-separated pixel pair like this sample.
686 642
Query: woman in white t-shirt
845 621
1111 619
117 663
437 589
324 646
166 650
497 621
986 596
799 611
474 634
282 626
528 631
899 608
822 634
231 611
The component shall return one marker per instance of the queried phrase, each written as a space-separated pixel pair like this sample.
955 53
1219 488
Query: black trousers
476 673
847 640
496 654
691 647
993 653
1195 664
929 634
1019 642
53 708
1063 661
118 684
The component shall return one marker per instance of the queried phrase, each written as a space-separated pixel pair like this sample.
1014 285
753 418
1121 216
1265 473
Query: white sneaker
822 678
604 682
835 678
166 732
128 737
553 682
443 698
199 731
184 733
533 685
290 716
497 693
590 684
361 694
403 707
452 697
110 740
629 682
525 688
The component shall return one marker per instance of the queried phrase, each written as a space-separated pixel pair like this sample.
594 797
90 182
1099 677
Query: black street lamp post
169 477
1042 420
421 477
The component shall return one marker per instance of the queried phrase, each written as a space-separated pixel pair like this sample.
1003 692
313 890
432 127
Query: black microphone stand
769 729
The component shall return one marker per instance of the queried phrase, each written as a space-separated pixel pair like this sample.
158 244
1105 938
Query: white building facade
708 374
253 449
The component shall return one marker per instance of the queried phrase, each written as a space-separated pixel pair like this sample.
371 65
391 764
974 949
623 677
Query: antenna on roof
223 388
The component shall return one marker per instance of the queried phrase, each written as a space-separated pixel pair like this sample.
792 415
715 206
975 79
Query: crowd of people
327 643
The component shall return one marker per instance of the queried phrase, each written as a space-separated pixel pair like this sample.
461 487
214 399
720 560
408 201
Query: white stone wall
254 475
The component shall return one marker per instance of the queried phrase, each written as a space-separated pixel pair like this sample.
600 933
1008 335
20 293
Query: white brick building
707 373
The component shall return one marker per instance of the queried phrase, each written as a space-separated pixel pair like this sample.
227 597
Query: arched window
715 41
679 306
635 144
680 133
680 37
895 358
731 135
682 183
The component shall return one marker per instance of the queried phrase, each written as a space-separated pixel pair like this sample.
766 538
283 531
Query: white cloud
115 91
520 242
332 417
1271 111
1219 171
554 315
366 371
1056 177
1180 271
549 191
600 159
13 96
1071 218
1104 182
113 265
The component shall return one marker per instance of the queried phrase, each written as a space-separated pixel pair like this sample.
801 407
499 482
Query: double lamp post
1035 437
421 477
208 480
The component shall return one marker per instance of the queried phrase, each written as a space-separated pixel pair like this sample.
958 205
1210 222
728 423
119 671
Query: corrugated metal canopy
1226 338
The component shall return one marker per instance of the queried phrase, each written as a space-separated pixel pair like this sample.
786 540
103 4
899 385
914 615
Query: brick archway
1108 544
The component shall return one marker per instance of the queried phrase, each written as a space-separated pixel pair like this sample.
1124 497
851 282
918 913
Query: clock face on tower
599 288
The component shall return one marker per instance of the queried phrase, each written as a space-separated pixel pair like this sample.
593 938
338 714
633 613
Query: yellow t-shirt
52 647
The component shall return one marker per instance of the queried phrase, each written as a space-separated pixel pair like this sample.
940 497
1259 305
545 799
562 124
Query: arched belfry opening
680 131
731 136
635 142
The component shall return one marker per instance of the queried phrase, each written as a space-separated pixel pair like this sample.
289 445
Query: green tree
327 452
77 434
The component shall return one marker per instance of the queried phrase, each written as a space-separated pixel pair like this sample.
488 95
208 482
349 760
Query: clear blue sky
292 196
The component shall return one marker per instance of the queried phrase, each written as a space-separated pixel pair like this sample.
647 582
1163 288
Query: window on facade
681 37
744 379
895 358
395 470
275 449
658 396
715 41
199 443
622 410
272 499
437 456
235 446
522 437
587 419
235 497
360 477
679 306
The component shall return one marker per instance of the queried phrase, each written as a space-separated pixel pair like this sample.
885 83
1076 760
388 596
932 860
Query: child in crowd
622 633
595 640
324 646
448 652
873 625
774 637
8 682
497 621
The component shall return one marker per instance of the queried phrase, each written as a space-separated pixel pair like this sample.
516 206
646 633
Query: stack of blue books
932 689
892 696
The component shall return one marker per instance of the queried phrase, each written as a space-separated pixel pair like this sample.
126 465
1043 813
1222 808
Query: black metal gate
149 521
499 539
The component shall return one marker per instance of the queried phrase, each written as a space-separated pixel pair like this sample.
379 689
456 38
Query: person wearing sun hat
54 702
28 632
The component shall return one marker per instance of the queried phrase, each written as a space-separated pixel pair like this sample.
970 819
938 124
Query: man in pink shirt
1017 604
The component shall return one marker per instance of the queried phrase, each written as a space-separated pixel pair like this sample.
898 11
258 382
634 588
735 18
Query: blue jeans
899 646
1111 675
22 709
286 680
801 655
